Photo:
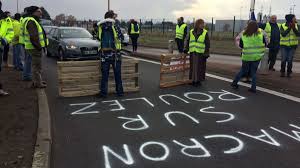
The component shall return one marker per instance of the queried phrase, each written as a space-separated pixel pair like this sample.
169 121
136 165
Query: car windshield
47 29
75 33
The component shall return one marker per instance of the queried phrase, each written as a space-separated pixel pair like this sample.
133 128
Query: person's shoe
3 93
120 95
235 86
26 79
100 95
282 74
252 90
42 86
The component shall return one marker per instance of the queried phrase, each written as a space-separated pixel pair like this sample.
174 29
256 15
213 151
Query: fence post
212 27
140 24
233 29
163 24
151 25
171 46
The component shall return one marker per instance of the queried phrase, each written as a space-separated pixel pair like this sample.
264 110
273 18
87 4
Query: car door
55 38
50 46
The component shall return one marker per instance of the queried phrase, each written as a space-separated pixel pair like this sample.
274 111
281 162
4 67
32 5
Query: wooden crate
82 78
174 70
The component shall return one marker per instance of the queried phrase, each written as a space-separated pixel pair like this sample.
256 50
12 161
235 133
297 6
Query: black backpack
107 37
136 27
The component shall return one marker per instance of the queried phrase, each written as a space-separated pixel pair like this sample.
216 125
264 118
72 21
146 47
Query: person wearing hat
35 42
288 44
109 48
6 36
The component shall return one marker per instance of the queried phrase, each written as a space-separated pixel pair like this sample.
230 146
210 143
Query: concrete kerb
41 158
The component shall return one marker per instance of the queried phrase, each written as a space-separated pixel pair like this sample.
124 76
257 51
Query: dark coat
275 35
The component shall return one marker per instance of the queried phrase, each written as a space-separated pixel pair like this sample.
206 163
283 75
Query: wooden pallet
82 78
174 70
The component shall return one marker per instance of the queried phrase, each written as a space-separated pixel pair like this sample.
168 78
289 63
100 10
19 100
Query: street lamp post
17 6
108 4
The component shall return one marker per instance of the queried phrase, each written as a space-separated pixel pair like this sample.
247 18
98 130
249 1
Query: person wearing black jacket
272 28
181 32
198 59
134 34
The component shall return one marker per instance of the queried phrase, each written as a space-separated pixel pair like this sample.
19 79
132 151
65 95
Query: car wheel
61 55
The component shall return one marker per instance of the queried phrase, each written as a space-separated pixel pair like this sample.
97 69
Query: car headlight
71 47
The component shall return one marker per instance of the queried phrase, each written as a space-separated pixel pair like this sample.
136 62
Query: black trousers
272 57
134 39
180 45
5 53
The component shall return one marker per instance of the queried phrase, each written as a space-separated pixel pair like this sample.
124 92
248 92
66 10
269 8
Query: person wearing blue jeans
114 60
248 66
17 57
27 74
288 44
253 44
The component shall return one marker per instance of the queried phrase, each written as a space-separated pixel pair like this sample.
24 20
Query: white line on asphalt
286 96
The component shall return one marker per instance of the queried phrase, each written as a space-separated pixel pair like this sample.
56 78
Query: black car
72 43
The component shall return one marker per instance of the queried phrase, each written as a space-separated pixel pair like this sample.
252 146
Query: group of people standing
252 41
28 39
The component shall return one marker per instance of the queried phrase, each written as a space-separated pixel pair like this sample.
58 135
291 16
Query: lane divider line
269 91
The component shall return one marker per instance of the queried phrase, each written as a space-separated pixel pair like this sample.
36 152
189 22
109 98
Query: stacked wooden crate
82 78
174 70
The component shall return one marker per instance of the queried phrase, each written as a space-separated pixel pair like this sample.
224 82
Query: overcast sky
157 9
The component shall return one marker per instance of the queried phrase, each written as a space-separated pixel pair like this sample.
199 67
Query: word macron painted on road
195 146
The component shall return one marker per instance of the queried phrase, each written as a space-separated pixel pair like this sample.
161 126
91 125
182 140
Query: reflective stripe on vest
290 39
132 29
118 43
268 28
27 42
21 38
180 31
254 47
198 45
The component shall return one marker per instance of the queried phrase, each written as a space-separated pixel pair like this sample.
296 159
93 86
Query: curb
41 158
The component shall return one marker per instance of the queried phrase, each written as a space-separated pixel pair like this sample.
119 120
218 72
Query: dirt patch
18 121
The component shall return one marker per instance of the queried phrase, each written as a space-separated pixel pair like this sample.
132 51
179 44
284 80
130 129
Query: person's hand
293 25
3 41
185 51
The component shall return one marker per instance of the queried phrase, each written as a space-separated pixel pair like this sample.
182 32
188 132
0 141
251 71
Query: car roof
71 28
50 26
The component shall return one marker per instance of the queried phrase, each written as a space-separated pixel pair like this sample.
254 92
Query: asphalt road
210 126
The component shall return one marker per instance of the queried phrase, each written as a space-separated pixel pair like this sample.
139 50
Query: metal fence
218 28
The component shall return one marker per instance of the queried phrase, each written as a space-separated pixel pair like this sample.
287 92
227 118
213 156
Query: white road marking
286 96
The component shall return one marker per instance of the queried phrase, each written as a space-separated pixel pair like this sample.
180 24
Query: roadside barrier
81 78
174 70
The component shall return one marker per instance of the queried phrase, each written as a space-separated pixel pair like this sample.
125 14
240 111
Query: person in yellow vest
109 48
35 41
181 32
272 28
16 45
6 35
253 46
198 44
6 47
288 44
134 33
